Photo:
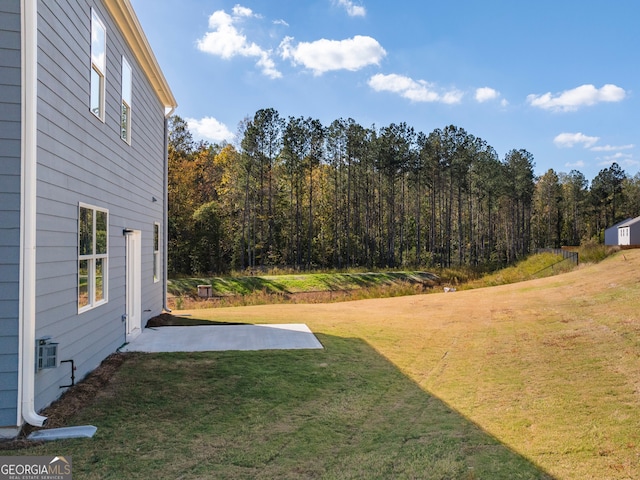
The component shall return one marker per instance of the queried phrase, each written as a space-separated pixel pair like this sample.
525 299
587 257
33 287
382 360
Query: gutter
28 198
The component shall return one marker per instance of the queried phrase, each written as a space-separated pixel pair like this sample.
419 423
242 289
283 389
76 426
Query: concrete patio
205 338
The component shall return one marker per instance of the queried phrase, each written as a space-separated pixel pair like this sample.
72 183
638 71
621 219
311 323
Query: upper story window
125 115
93 256
98 65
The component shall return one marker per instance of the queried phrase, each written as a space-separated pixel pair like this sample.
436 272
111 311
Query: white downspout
27 313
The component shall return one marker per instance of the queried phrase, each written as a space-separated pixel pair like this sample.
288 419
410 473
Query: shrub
592 251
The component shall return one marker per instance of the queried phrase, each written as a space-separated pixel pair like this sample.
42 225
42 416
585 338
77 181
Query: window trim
125 106
92 259
156 252
96 21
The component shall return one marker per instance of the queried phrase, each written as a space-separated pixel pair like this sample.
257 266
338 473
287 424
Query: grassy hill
325 287
298 283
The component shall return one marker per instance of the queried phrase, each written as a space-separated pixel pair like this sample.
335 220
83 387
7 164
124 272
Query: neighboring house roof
127 21
619 224
628 222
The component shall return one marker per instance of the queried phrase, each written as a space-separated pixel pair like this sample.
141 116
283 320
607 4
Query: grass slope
234 291
297 283
528 380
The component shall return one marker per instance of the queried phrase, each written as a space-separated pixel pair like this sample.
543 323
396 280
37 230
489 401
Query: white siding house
83 158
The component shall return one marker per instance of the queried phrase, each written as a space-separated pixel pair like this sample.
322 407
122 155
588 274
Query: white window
98 65
93 258
125 112
156 252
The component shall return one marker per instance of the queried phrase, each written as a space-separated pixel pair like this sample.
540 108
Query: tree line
298 194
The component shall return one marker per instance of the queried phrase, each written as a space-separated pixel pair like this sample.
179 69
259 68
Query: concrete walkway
207 338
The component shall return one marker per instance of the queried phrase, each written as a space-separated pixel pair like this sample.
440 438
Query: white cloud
452 96
618 156
622 159
418 91
240 11
352 9
571 100
612 148
485 94
568 140
414 90
325 55
225 40
268 65
578 164
281 22
210 129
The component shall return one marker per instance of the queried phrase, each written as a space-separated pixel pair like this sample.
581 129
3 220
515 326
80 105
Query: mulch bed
72 401
168 320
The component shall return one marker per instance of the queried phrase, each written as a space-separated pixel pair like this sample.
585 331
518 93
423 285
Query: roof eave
126 19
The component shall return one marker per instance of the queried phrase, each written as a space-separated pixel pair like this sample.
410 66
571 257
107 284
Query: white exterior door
133 284
624 236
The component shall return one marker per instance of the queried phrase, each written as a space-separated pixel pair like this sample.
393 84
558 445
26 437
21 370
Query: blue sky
555 77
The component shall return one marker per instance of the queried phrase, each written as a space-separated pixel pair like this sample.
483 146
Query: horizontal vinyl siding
10 165
8 373
83 160
634 233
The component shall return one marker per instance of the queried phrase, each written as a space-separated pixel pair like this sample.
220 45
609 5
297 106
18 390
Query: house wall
83 160
611 236
10 125
634 233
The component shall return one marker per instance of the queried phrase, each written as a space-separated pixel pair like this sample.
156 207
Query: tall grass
536 266
593 252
